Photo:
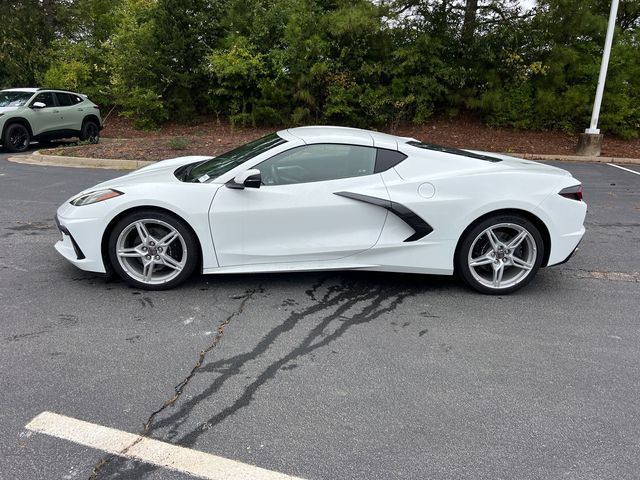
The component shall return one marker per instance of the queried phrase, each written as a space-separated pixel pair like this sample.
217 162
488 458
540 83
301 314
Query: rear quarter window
64 99
386 159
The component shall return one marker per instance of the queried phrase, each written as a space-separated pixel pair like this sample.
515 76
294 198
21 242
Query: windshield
210 169
14 99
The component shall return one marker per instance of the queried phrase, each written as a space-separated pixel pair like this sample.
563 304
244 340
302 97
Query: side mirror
38 105
249 179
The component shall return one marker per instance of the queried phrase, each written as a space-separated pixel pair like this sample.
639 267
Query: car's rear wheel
17 138
500 254
90 132
152 250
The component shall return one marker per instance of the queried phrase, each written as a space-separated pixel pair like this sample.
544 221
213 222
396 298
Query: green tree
184 32
79 61
356 62
25 34
132 59
236 73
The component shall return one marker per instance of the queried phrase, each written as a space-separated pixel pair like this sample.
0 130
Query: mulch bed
209 137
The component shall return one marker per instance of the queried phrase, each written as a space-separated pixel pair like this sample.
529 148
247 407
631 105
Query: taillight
574 193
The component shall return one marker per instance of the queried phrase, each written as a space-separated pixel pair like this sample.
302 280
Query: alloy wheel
19 138
502 256
151 251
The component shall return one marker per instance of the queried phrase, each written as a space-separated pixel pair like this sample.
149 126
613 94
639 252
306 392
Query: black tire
482 278
16 138
90 131
131 269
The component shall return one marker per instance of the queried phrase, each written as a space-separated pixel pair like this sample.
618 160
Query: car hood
8 109
159 172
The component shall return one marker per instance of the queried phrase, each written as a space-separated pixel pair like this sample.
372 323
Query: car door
70 116
298 214
47 119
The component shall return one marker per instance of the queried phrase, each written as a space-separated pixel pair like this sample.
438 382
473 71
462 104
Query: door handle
56 111
81 110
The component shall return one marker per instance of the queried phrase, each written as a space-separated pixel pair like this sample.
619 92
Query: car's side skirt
322 266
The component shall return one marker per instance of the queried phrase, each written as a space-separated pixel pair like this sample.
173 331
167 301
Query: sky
528 4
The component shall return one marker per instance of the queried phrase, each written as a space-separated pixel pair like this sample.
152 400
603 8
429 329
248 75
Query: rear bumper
564 219
570 255
564 246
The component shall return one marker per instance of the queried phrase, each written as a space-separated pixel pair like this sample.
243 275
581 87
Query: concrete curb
37 158
575 158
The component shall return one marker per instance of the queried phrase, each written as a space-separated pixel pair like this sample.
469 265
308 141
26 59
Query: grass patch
178 143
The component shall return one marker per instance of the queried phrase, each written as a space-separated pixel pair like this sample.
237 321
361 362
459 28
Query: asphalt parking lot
326 375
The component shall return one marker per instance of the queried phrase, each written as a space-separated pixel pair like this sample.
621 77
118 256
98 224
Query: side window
76 99
64 99
46 98
317 163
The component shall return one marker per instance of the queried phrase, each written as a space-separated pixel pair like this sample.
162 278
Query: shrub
178 143
144 106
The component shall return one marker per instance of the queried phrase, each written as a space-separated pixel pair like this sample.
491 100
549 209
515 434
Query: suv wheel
17 138
90 132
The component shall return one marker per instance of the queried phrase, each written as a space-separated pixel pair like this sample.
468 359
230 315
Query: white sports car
328 198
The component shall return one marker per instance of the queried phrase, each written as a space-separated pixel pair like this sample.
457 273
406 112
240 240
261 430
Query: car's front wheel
17 138
500 254
152 250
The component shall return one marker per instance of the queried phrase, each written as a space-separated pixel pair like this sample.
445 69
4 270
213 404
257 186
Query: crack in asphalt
179 388
344 297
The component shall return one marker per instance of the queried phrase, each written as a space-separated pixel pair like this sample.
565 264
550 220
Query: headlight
94 197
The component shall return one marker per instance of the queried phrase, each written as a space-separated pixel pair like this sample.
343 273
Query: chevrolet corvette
328 198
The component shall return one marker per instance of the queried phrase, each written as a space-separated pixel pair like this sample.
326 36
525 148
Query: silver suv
38 114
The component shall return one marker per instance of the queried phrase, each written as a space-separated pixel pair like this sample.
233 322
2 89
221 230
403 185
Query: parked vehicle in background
28 114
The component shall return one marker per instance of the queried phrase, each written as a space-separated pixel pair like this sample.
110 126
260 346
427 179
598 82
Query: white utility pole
594 130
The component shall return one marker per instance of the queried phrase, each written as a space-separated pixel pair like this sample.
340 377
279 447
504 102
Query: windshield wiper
183 173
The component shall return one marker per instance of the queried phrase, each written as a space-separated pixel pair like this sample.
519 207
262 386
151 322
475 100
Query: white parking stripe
622 168
148 450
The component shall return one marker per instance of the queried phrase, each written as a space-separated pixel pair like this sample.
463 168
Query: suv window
64 99
46 98
316 163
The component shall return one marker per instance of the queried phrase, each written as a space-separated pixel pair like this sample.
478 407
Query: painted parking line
147 450
623 168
